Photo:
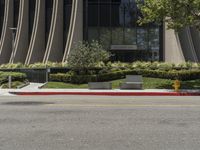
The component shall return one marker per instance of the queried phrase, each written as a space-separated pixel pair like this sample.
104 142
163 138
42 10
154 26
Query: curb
108 93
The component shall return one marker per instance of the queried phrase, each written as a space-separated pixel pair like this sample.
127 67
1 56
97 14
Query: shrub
16 76
12 66
181 75
86 55
43 65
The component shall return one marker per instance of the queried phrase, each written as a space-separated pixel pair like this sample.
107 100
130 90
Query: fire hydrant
177 85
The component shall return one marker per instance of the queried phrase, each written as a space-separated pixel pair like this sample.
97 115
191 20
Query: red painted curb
108 93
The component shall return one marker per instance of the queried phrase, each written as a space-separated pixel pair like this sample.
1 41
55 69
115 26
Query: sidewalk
115 92
34 89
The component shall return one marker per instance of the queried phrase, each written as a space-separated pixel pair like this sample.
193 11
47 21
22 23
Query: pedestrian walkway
34 89
32 86
115 92
5 92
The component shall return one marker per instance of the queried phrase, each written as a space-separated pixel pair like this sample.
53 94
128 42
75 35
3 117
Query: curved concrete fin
72 21
172 48
187 45
196 40
37 44
6 36
54 49
22 38
76 27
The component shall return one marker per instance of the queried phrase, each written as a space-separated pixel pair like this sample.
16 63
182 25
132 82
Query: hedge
112 65
16 76
78 79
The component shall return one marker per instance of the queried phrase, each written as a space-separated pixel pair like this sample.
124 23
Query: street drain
27 103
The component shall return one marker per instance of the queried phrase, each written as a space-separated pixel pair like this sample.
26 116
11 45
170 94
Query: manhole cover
27 103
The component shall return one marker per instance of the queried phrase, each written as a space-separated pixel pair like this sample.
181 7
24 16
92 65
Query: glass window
142 39
93 15
93 1
2 5
49 9
117 36
16 12
105 14
93 34
105 37
31 16
114 22
115 15
130 36
130 13
154 43
66 18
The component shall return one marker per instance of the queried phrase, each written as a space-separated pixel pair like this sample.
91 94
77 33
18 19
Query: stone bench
132 82
99 85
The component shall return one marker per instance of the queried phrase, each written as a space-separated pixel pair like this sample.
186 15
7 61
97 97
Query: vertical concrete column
187 45
22 36
76 28
37 44
196 41
172 48
54 49
6 36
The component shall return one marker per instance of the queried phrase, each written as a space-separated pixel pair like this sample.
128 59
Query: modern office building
46 30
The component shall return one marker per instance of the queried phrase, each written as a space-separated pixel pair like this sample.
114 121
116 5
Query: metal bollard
9 82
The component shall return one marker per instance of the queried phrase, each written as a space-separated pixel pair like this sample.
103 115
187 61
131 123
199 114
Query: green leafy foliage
33 66
85 55
16 76
173 74
176 13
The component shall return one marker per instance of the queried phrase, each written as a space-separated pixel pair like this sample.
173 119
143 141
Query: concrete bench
99 85
132 82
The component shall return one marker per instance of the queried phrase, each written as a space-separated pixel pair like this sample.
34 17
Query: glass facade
67 16
31 16
16 12
2 4
114 24
48 18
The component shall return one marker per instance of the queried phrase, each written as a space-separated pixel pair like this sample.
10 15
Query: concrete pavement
99 123
115 92
32 86
34 89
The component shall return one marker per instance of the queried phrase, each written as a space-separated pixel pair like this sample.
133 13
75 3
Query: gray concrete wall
172 48
6 36
37 44
187 45
22 36
196 41
54 50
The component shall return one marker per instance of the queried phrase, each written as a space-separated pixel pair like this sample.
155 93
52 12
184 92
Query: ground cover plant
111 65
73 77
149 83
17 79
14 85
110 71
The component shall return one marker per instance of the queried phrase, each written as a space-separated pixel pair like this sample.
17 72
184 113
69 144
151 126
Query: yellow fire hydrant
177 85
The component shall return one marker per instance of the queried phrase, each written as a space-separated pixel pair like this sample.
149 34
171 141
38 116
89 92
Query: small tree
176 13
85 55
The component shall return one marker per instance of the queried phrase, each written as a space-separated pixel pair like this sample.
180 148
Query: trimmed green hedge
113 65
78 79
16 76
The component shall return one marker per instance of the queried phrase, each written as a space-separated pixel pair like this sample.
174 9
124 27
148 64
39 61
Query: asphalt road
99 123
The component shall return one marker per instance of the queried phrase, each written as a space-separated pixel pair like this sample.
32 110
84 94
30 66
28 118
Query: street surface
99 123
